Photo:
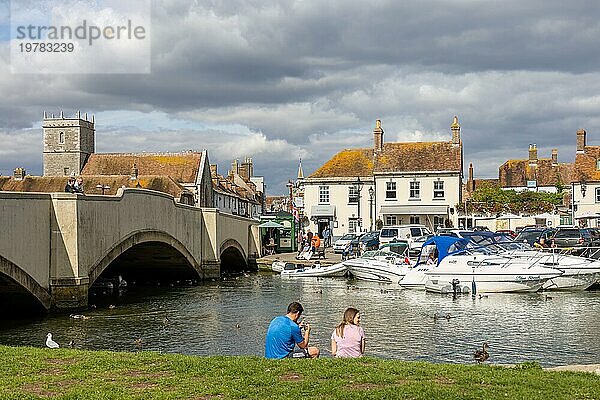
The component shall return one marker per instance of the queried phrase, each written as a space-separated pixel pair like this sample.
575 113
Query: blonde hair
349 315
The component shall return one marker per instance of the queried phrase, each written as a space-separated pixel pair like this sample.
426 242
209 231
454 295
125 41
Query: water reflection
230 317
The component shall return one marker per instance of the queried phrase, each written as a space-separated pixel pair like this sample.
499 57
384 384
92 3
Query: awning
322 211
414 210
270 224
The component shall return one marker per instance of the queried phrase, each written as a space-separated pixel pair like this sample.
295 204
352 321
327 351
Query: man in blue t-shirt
284 333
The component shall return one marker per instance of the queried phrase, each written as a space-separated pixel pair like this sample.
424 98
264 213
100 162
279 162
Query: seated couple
285 333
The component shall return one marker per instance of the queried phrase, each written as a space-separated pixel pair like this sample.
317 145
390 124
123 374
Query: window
391 220
390 190
415 232
438 189
598 195
415 190
414 219
438 222
61 137
352 225
598 164
66 171
324 194
352 194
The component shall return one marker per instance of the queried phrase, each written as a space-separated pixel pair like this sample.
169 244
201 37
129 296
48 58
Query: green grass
32 373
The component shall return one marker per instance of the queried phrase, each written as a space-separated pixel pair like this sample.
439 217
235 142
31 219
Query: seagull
51 343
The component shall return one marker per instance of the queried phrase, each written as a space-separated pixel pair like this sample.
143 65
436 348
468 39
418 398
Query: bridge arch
233 257
140 238
23 290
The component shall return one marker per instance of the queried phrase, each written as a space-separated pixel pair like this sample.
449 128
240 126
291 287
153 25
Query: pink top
349 345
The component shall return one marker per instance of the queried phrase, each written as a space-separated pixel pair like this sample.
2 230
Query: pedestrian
327 236
70 186
315 242
285 333
78 186
348 338
309 236
347 252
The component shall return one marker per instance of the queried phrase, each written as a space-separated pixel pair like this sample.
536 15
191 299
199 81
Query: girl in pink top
348 338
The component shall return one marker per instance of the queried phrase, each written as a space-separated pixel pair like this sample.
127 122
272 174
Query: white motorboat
464 265
277 266
379 266
314 270
579 273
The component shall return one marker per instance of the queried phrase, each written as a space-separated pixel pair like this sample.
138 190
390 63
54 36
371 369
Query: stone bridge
53 247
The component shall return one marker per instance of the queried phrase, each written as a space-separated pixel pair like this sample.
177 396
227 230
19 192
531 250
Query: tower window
61 138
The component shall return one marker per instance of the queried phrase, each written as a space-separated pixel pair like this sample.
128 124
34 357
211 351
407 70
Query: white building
237 193
396 183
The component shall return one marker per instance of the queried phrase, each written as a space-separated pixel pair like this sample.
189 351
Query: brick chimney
19 174
470 180
533 156
378 137
554 157
245 170
235 169
134 172
581 141
455 127
213 169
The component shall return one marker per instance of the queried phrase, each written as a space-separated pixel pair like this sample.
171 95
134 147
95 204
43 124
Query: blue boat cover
445 245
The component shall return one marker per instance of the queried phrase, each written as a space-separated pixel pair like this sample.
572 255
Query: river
230 317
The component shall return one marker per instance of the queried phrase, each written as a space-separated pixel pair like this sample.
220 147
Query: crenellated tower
68 143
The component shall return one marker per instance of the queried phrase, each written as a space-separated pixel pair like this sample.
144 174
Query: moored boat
379 265
466 265
278 266
579 273
314 270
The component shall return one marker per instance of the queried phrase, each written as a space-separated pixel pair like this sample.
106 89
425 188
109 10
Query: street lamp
102 187
290 185
371 198
358 185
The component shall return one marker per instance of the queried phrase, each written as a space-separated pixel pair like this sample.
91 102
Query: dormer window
61 138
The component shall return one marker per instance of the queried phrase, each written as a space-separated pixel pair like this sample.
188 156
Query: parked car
409 232
594 234
572 237
533 234
342 242
508 232
417 244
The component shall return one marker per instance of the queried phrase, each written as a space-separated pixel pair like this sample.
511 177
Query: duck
482 355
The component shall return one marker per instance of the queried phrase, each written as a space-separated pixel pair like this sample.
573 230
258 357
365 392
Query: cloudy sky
288 79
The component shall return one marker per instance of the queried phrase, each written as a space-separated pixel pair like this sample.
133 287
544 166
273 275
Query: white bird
51 343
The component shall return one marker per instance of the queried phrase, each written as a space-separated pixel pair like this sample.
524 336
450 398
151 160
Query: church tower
68 143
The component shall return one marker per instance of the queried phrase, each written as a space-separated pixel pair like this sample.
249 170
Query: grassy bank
31 373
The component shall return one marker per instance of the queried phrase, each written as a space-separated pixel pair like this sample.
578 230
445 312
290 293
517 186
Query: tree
494 200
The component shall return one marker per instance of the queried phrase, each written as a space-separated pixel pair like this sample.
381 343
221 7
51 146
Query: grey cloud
310 78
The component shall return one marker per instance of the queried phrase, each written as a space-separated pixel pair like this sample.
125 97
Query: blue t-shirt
282 336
